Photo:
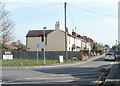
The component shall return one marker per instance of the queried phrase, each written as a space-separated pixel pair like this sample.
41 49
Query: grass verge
30 62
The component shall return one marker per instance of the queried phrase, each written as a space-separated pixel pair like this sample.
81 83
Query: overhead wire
49 5
75 26
71 18
91 11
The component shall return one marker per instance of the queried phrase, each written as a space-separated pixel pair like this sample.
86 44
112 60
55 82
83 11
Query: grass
30 62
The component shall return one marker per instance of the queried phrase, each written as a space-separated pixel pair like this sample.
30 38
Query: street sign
7 52
37 45
5 57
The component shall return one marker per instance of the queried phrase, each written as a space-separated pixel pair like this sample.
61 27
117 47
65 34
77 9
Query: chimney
57 25
73 33
78 35
67 29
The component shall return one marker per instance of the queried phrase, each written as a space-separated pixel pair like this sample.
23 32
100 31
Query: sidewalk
113 78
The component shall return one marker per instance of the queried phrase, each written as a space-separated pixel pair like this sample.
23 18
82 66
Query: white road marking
112 80
45 82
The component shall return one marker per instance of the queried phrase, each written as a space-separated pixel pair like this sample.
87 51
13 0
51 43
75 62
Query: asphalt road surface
78 73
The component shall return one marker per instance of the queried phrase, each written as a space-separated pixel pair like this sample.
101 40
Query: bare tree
6 25
19 45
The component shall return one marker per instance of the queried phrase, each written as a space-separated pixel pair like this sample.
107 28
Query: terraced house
54 40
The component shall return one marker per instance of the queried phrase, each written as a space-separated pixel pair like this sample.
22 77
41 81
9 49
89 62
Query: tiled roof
10 46
37 33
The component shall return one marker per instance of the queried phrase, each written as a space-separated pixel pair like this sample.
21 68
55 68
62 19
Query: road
79 73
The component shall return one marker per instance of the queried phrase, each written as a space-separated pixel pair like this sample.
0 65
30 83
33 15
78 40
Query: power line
91 11
71 18
48 5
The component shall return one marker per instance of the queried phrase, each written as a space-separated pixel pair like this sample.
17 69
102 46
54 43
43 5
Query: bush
4 48
85 51
101 52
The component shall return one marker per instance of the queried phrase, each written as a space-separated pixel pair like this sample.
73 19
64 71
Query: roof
68 34
10 46
71 35
37 33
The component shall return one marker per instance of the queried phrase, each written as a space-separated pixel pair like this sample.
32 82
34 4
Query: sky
97 19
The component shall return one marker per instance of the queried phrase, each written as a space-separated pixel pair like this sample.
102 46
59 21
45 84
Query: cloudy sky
97 19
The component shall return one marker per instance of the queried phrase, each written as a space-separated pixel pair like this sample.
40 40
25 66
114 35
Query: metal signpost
44 45
8 56
37 46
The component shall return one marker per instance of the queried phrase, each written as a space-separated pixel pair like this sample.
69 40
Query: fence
0 55
48 54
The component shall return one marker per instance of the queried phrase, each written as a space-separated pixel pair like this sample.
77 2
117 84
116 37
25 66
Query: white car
110 56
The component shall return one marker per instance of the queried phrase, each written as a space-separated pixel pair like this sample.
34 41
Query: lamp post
44 46
116 47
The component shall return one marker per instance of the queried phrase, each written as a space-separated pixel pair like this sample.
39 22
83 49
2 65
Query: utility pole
65 32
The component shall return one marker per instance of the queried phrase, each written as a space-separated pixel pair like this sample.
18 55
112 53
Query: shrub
85 51
101 52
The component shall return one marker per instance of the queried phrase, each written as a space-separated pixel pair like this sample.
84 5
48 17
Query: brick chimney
57 26
73 33
78 35
67 29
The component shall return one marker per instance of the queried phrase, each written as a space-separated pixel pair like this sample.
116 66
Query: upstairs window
42 38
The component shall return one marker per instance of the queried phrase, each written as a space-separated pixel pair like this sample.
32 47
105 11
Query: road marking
45 82
111 80
61 75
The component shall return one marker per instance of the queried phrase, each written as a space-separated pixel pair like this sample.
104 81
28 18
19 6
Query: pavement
113 78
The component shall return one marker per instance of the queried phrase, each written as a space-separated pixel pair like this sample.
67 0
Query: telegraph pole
65 32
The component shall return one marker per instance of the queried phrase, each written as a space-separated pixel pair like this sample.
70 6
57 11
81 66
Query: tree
95 48
19 45
6 25
107 46
116 48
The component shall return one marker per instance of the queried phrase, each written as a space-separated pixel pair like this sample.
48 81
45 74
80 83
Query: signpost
37 46
7 55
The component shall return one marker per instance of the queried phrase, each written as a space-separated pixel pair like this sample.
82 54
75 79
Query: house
9 46
54 40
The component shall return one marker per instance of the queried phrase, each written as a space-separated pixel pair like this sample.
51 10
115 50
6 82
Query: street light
44 46
116 47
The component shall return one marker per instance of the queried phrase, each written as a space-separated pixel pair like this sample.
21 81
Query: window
42 49
46 40
69 40
42 38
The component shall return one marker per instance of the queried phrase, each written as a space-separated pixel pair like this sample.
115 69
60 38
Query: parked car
110 56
